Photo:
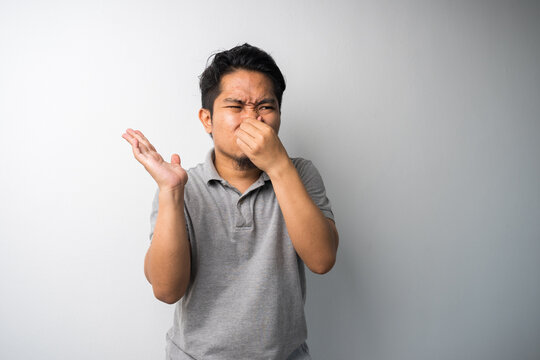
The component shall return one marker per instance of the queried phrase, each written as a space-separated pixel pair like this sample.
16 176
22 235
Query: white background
422 117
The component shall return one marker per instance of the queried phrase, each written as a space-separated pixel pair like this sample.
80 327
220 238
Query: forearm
168 262
314 236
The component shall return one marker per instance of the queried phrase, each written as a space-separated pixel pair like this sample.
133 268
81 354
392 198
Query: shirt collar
210 173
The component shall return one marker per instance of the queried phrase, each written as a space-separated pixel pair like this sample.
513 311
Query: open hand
169 176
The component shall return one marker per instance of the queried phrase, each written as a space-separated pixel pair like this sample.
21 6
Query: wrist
171 196
281 169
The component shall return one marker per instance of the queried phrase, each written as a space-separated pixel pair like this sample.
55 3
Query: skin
244 125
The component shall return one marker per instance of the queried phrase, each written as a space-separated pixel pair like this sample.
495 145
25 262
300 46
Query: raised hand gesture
168 176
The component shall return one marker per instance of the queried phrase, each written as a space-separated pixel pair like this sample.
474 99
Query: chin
244 163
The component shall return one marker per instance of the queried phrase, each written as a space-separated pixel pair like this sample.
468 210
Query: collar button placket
239 216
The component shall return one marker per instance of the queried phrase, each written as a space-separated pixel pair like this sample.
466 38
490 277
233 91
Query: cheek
274 122
230 121
224 129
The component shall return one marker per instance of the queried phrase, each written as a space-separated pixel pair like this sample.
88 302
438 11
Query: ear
206 120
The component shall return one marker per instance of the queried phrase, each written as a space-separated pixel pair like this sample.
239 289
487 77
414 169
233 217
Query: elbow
168 299
324 266
168 296
325 260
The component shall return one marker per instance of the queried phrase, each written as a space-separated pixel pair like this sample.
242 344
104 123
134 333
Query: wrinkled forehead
249 87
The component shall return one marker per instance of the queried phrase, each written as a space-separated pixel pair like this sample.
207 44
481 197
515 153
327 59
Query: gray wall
423 117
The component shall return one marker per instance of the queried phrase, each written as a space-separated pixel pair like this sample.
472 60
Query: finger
243 146
246 138
175 159
249 129
136 150
257 123
139 149
133 142
142 140
143 149
255 128
131 133
128 137
146 141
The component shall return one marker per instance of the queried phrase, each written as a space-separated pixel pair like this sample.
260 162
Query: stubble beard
244 163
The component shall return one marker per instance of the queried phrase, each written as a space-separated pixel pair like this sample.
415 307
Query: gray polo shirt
247 289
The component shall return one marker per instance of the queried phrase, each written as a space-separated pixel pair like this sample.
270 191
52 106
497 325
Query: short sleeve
314 185
153 213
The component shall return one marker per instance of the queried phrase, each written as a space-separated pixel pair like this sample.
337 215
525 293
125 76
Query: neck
237 175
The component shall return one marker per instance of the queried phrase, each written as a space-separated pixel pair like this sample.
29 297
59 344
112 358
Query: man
229 245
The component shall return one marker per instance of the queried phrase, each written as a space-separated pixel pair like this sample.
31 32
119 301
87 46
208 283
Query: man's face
244 94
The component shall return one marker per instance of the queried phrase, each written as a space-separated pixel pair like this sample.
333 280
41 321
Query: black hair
245 57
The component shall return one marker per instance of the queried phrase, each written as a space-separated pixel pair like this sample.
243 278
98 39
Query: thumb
175 159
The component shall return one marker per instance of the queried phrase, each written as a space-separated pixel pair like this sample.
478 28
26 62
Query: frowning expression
244 94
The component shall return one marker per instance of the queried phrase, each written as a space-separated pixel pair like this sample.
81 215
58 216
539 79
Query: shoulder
196 171
308 173
197 181
301 163
305 167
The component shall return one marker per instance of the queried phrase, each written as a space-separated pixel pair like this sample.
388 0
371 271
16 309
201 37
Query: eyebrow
263 101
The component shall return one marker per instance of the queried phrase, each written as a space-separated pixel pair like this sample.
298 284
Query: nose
251 112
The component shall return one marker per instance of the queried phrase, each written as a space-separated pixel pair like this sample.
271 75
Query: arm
314 236
167 263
